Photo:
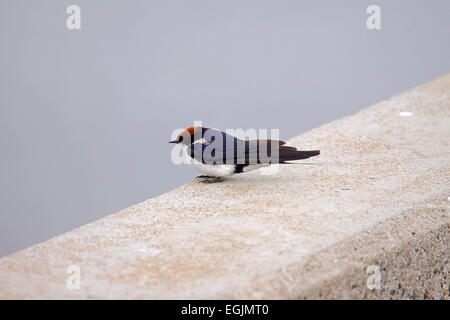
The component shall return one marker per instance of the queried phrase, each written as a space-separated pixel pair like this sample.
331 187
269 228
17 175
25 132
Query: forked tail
290 154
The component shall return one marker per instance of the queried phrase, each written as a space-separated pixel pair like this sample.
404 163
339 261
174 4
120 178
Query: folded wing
226 149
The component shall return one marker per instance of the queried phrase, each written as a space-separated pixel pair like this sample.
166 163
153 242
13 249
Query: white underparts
221 170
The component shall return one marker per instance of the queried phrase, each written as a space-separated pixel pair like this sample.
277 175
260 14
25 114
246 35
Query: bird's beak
173 141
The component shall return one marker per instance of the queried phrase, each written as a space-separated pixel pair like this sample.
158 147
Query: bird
217 154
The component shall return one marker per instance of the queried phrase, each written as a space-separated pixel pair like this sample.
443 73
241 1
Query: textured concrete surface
378 196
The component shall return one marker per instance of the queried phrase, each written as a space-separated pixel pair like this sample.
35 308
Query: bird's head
187 136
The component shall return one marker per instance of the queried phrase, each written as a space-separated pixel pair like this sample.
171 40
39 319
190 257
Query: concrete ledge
377 196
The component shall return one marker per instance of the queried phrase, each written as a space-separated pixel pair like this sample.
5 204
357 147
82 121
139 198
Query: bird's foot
208 179
203 177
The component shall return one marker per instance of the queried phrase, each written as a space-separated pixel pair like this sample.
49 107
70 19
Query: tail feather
290 154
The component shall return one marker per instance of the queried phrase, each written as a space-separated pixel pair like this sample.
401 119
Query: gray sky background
85 115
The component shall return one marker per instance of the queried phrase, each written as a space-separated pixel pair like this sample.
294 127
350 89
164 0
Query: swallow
218 154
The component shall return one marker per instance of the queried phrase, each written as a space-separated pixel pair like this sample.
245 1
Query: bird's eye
180 139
